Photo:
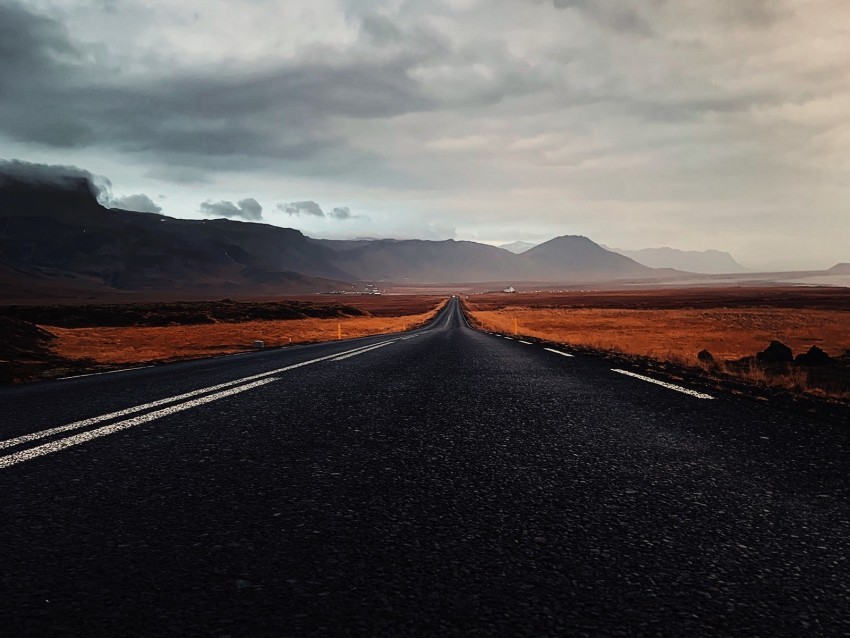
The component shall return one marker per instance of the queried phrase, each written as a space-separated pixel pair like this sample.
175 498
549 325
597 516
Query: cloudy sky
687 123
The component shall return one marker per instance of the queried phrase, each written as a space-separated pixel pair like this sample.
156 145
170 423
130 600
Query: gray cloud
759 14
342 212
615 14
248 208
302 208
140 203
179 175
191 117
607 118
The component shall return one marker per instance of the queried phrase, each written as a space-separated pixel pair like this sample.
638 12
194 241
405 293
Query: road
440 482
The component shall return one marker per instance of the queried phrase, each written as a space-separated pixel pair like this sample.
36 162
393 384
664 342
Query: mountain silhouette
56 238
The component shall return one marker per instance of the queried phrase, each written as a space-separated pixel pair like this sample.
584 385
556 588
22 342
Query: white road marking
364 351
34 436
94 374
528 343
669 386
563 354
511 338
83 437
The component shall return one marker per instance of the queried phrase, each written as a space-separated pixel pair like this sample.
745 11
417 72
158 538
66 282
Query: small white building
509 289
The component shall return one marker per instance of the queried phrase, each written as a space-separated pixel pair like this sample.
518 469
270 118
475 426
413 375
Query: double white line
177 403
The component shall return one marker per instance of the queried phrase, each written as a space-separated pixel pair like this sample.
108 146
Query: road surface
439 482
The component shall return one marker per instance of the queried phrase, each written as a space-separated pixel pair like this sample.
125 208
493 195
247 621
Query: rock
705 356
776 352
814 357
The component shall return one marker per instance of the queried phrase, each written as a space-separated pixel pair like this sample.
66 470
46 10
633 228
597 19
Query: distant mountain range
56 240
710 262
57 237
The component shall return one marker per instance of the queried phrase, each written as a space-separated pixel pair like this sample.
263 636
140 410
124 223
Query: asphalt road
440 482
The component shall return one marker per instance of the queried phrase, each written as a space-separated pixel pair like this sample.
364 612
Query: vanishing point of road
439 482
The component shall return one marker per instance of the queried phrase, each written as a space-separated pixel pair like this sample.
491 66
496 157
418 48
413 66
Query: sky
642 123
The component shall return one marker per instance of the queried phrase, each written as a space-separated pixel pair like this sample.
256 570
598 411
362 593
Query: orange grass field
169 343
675 324
728 333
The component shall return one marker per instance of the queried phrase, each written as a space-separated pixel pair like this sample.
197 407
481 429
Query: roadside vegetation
720 334
53 341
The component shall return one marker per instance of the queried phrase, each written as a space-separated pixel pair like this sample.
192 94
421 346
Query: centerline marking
563 354
94 374
364 351
528 343
664 384
82 437
34 436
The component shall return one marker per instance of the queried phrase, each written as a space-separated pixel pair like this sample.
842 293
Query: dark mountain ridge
57 236
60 233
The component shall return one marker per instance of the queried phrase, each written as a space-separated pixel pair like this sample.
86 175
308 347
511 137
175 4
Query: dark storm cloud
56 93
53 175
248 208
302 208
195 119
140 203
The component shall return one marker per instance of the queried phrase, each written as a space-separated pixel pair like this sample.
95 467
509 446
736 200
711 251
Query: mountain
579 258
517 247
840 269
423 261
710 262
567 258
57 240
58 237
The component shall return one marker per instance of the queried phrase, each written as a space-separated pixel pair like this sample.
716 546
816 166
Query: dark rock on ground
776 352
814 357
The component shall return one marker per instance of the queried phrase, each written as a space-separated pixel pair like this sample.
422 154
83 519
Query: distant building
509 289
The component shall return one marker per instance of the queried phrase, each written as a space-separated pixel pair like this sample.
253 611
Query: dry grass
676 336
128 345
728 333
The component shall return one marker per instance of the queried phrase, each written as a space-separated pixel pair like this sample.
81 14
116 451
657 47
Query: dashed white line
528 343
664 384
563 354
76 439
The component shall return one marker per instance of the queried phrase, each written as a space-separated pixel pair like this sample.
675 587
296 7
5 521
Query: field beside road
51 341
675 325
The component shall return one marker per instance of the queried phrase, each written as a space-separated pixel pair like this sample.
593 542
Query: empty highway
439 482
